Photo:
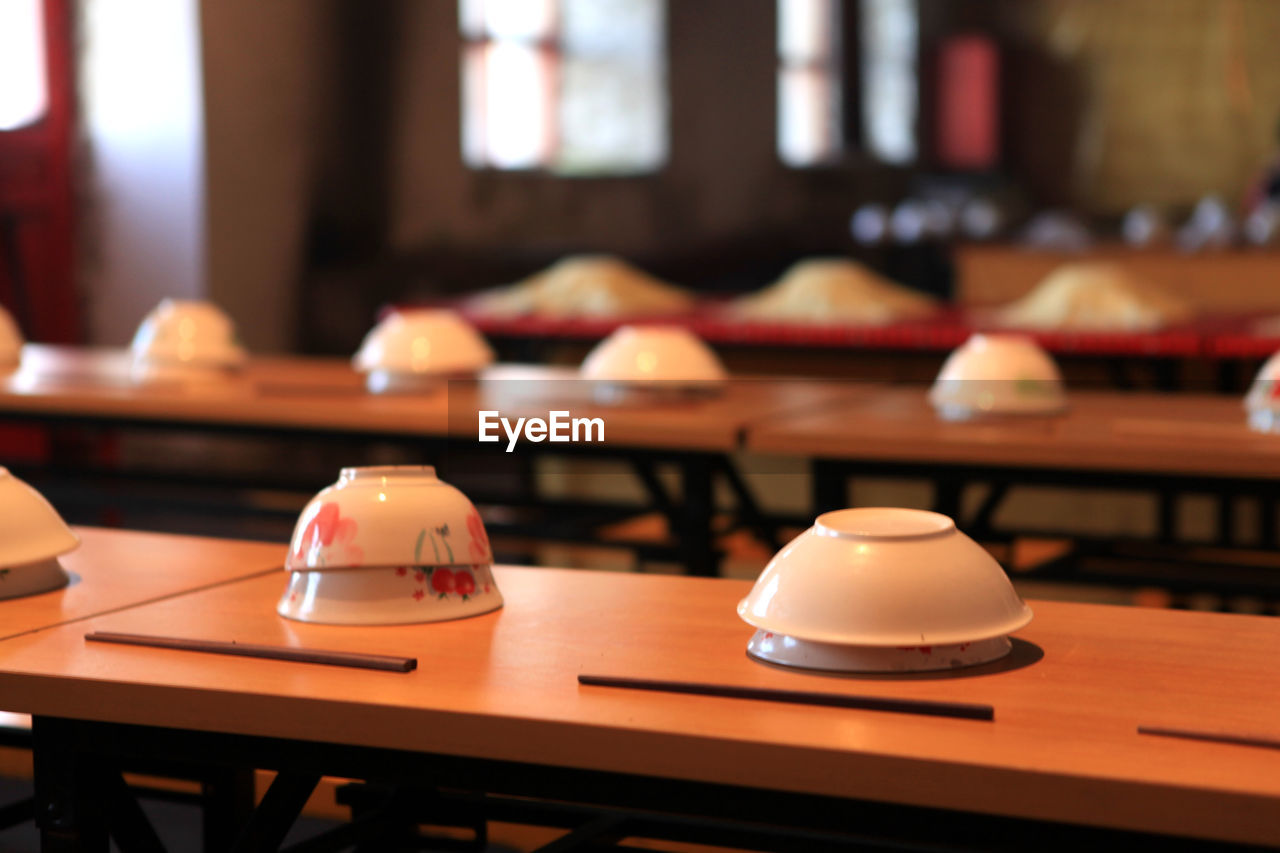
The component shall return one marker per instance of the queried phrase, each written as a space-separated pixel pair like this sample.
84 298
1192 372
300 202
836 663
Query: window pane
612 117
807 132
809 82
24 95
613 106
589 97
512 92
525 20
806 30
622 29
889 78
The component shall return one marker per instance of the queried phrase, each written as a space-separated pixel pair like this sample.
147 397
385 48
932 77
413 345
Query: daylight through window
576 87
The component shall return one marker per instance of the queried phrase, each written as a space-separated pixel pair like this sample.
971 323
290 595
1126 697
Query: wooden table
326 396
1179 435
495 707
1171 445
113 570
323 401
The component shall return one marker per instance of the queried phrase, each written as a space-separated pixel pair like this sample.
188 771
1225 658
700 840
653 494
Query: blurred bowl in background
389 545
882 589
186 341
32 536
419 349
997 374
652 361
1262 402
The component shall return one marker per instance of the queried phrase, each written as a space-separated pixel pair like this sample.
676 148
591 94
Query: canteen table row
322 400
1168 445
493 722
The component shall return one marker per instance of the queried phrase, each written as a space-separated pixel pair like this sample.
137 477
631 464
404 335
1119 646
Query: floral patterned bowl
997 375
388 545
390 595
388 515
1262 403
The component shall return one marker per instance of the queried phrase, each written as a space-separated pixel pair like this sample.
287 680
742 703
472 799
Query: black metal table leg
829 486
277 812
1167 521
748 509
946 497
228 798
696 539
127 823
1226 519
1267 522
69 816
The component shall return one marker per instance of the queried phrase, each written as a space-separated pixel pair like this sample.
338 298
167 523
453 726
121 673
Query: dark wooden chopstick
388 663
1212 737
961 710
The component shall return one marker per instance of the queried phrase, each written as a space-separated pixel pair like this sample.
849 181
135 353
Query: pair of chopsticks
388 663
1212 737
391 663
960 710
928 707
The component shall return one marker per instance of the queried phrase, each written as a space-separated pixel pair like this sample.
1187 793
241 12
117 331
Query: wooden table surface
327 395
284 392
113 569
1184 434
1063 745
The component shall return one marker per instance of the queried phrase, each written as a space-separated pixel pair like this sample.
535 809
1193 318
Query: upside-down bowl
32 537
998 375
652 362
389 545
418 350
882 589
186 342
1262 402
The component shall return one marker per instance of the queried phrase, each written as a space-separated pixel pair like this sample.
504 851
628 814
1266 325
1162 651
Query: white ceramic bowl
389 545
884 577
186 340
418 349
32 579
806 654
10 342
391 515
998 375
1262 403
30 528
32 535
390 595
653 360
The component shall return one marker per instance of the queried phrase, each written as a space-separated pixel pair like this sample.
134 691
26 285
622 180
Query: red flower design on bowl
479 538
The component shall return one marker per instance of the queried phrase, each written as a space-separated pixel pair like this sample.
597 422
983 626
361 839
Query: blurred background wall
300 162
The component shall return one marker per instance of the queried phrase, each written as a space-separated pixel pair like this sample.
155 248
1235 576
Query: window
24 95
809 84
889 34
576 87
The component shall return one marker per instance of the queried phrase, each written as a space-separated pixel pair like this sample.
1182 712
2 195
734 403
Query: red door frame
37 201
